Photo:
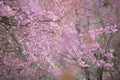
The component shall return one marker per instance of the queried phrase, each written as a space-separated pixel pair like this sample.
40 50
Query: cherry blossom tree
41 37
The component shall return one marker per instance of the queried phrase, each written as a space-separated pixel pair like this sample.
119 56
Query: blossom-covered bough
39 38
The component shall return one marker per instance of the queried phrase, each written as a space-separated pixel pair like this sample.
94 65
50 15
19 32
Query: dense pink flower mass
38 38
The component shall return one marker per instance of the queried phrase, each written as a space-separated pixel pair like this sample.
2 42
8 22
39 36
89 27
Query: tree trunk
87 74
100 74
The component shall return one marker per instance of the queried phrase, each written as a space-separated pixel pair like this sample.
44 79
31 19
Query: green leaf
24 57
19 51
8 20
5 19
21 55
106 4
57 64
33 64
7 46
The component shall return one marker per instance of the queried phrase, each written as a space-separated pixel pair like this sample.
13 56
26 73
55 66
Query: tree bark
100 74
87 74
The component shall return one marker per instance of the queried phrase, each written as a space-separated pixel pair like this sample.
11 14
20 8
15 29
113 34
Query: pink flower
6 10
109 55
108 65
